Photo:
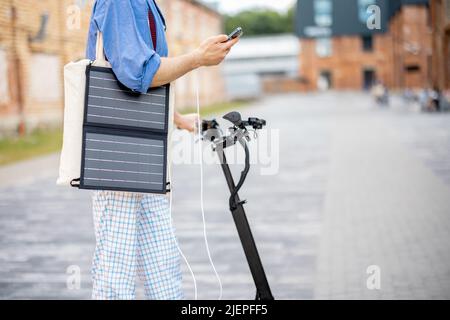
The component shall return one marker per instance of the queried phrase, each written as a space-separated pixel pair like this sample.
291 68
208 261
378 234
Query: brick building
440 19
37 38
189 22
345 46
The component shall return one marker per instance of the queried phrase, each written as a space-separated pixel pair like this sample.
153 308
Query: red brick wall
346 62
188 23
283 85
441 43
20 21
411 32
409 28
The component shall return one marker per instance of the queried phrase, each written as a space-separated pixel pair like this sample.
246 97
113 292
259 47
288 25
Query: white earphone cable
199 126
179 249
201 205
171 221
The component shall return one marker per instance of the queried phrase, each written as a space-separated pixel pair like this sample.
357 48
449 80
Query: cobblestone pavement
356 186
387 205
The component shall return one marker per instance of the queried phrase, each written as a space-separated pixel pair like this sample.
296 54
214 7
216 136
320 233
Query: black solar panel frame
123 131
109 71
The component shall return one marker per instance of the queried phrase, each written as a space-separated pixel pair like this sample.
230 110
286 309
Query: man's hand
213 50
187 121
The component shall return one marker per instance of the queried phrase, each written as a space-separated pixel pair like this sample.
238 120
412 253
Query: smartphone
238 32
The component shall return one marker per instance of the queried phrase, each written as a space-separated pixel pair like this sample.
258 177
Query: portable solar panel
124 136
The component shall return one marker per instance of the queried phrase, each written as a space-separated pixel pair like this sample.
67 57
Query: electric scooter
239 133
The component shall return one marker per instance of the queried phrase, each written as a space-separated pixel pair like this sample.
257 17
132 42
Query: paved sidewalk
356 186
384 207
26 172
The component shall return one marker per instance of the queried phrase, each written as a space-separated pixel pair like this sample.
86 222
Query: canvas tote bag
74 99
74 110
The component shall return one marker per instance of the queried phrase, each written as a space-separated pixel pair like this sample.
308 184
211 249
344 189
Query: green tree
290 17
261 22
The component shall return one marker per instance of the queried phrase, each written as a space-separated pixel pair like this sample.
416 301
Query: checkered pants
134 236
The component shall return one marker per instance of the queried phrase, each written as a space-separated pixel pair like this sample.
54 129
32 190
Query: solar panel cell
110 103
125 136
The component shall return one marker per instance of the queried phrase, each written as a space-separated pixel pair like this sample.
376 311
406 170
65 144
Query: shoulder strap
99 49
100 58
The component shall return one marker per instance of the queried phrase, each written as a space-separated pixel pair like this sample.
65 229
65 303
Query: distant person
380 94
133 231
323 84
386 96
445 100
408 96
435 99
424 98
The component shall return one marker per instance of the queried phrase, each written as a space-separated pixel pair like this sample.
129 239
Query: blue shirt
127 40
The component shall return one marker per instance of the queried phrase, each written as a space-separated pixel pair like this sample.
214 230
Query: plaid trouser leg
134 233
114 266
159 264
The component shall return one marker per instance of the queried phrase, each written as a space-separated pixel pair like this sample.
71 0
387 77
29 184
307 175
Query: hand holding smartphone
238 32
213 50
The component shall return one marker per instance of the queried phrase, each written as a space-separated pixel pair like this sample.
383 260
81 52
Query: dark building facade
350 44
440 20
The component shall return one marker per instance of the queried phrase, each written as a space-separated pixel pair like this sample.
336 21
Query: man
134 234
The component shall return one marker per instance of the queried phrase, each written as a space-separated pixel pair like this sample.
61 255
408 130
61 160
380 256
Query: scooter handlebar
236 119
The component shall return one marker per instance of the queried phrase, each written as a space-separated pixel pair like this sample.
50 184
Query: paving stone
356 186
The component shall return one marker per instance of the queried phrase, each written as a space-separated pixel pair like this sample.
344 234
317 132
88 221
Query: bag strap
75 183
100 50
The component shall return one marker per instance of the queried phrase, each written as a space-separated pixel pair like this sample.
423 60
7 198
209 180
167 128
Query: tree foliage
261 22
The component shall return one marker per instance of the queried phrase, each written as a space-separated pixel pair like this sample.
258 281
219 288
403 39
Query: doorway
325 81
369 77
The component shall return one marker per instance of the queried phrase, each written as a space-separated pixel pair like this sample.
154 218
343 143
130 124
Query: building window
412 68
362 9
324 47
4 90
50 66
447 9
177 22
367 43
369 78
325 80
323 13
